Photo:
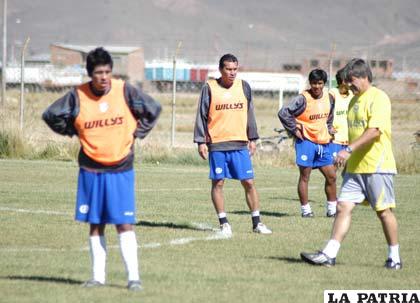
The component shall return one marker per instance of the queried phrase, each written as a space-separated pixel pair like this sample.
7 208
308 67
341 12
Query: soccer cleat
308 215
226 230
134 286
390 264
92 284
262 229
318 258
331 214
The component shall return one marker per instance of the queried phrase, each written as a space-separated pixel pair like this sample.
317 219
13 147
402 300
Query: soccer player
225 131
370 166
308 117
107 115
342 96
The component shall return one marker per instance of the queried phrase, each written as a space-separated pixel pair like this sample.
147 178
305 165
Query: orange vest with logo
314 118
105 124
228 113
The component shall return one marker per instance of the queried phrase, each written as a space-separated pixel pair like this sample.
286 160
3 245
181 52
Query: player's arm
200 126
144 108
288 113
330 119
252 129
60 115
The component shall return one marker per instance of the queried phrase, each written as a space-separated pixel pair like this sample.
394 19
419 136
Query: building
128 60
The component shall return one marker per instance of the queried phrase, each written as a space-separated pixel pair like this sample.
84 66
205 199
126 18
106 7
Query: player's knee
248 184
384 214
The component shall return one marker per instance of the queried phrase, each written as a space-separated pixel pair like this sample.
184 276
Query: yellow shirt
372 109
341 106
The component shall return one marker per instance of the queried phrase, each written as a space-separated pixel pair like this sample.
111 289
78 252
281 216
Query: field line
215 235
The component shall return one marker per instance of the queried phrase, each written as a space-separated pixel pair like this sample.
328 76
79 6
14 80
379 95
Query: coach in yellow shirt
370 166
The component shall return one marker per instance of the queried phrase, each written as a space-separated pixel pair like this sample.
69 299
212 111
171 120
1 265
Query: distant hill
263 34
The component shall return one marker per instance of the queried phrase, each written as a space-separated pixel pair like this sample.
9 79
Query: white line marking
31 211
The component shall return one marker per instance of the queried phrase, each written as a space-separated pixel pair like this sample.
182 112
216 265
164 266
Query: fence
47 82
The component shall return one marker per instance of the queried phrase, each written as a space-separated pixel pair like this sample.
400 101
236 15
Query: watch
348 149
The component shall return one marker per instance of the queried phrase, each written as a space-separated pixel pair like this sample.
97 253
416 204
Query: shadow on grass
44 279
263 213
286 259
175 225
281 199
52 280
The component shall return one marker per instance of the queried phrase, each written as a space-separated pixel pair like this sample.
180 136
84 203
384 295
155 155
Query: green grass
43 257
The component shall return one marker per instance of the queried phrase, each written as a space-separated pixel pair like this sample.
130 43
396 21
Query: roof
110 48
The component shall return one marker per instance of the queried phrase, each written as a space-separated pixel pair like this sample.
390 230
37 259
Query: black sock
255 221
223 220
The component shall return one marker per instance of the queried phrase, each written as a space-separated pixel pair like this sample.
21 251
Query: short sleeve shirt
372 109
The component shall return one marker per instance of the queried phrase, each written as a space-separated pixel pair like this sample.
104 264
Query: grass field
44 256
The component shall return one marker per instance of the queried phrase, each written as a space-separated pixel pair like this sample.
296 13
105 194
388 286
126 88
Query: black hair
317 75
358 68
96 57
227 58
339 76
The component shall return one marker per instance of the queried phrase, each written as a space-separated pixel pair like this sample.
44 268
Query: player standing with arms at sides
342 96
370 166
107 115
309 117
225 131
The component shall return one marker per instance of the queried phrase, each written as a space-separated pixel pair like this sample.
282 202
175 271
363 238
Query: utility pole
4 56
22 85
174 94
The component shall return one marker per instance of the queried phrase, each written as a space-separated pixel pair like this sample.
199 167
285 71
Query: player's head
227 58
98 56
228 67
317 75
339 76
99 67
317 79
343 88
358 75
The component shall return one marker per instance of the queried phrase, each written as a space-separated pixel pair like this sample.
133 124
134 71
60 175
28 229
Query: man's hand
342 157
252 147
203 151
298 134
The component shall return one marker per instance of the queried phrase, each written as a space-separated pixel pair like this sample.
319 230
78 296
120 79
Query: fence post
174 94
22 84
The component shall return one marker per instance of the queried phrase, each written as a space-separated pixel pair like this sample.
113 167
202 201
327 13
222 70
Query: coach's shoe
390 264
318 258
308 215
134 285
92 283
226 230
262 229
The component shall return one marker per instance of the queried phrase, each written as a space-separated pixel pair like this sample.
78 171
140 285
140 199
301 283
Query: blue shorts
335 148
233 164
106 198
309 154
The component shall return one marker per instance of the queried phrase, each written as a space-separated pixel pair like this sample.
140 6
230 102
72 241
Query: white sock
128 247
332 248
394 253
255 213
221 215
97 246
332 206
305 209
